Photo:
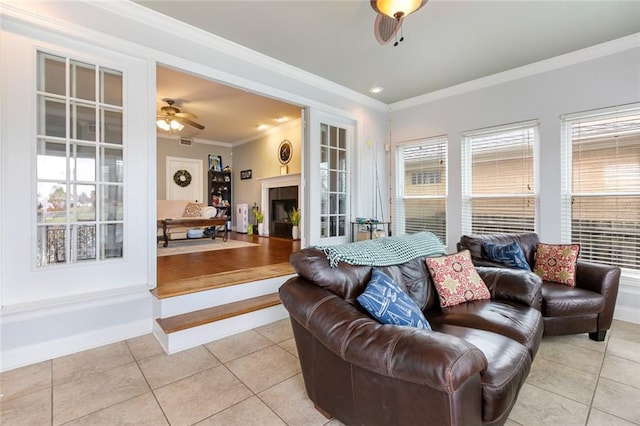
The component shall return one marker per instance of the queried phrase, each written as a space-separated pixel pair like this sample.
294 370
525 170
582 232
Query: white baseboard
26 355
627 313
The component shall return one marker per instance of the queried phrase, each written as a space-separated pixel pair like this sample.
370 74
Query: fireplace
282 200
279 195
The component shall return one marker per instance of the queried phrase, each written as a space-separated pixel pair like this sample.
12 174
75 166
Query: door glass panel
85 242
333 186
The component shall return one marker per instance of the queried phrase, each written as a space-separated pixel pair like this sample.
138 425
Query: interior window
79 162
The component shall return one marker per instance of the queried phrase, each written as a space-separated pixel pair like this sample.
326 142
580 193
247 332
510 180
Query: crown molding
582 55
139 13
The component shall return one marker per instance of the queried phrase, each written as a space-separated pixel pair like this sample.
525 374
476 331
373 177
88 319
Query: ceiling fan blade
185 115
184 120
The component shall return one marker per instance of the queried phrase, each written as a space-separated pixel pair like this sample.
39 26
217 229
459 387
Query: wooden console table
195 222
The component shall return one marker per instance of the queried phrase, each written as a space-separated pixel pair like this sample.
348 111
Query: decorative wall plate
182 177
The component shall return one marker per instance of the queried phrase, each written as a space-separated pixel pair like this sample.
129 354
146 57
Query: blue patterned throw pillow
507 254
386 302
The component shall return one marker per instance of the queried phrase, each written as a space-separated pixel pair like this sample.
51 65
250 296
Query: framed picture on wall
215 163
245 174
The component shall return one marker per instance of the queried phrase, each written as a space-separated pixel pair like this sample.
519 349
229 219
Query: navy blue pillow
386 302
507 254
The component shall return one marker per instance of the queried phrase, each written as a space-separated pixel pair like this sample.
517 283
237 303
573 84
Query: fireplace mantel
267 183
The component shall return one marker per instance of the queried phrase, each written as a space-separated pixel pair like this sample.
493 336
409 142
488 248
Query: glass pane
334 159
51 202
85 202
83 163
111 203
85 242
111 237
333 226
324 203
51 160
333 136
342 204
342 160
52 120
324 226
112 166
83 122
333 181
82 81
342 181
112 122
324 130
51 244
324 155
333 203
53 79
324 179
342 138
341 226
111 87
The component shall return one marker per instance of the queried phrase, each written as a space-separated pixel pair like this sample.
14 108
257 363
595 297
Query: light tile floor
254 378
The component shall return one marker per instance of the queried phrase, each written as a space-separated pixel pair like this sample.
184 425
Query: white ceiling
447 42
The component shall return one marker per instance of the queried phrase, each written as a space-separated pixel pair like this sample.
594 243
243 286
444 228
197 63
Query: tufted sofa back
349 281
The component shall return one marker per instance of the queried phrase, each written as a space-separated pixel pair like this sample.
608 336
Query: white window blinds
601 185
499 190
421 187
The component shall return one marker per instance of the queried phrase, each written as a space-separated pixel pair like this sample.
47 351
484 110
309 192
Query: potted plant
259 218
295 221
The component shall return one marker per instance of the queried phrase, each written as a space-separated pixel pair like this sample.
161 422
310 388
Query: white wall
579 85
47 327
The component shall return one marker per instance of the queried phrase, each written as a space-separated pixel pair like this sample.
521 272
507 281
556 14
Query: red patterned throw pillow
456 279
557 263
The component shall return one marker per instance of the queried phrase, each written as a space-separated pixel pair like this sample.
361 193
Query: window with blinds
421 187
601 185
499 189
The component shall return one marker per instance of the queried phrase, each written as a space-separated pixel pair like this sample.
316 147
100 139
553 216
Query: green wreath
182 178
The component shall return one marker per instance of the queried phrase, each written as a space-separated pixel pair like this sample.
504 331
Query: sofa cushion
557 262
474 242
456 279
559 300
508 254
192 210
510 319
508 367
386 302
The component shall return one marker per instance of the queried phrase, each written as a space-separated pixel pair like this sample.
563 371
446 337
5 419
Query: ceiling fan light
163 124
397 8
176 125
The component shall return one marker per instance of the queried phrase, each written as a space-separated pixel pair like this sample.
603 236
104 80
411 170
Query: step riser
173 306
186 339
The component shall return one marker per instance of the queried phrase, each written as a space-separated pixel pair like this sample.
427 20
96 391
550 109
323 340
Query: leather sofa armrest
514 285
430 358
603 279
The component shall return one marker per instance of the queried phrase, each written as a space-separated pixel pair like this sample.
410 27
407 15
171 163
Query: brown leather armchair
586 308
467 370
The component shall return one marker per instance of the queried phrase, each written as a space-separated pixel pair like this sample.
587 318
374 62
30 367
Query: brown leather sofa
468 370
586 308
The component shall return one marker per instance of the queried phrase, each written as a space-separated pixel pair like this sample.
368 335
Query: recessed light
280 119
261 126
376 89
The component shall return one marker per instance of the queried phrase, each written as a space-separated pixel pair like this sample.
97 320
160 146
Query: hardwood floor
269 251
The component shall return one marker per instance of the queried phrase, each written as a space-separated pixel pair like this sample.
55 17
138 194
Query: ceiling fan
170 118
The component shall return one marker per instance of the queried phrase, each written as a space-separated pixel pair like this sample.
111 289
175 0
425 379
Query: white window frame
567 193
401 195
467 171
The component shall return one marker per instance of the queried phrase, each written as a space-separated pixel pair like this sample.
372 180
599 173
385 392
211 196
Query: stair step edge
217 313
